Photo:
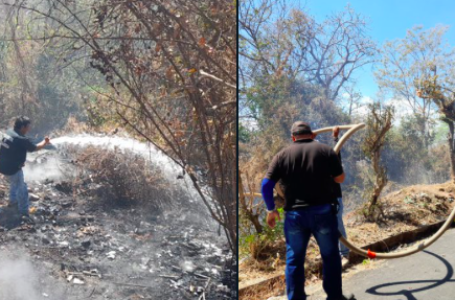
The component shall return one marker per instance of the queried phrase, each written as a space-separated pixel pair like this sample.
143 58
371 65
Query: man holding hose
13 154
307 170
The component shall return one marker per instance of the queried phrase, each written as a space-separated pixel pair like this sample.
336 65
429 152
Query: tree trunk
248 211
451 149
381 181
257 225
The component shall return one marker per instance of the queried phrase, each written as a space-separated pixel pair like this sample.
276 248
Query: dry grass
121 179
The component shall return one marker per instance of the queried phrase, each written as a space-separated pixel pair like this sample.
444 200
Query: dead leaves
201 42
157 28
158 48
138 70
170 73
138 28
87 230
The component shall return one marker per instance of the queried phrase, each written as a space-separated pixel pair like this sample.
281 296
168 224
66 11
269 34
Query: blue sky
388 20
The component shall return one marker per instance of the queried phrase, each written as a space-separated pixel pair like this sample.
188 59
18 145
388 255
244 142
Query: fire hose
351 129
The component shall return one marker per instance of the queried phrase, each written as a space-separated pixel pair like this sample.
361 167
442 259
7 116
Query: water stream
170 170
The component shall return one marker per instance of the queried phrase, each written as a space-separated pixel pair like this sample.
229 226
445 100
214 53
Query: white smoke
49 169
21 280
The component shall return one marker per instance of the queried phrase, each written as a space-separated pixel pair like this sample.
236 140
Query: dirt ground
406 209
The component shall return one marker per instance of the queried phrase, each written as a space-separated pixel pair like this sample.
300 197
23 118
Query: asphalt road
427 275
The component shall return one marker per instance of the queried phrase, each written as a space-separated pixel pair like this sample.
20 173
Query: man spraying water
13 154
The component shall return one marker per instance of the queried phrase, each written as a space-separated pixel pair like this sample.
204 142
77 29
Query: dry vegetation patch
119 178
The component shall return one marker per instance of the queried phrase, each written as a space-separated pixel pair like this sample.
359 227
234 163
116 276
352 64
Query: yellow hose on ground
351 129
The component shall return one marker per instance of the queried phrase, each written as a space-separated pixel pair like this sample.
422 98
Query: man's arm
268 183
43 143
267 193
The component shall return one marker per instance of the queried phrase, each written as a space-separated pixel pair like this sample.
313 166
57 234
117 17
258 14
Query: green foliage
258 245
273 234
441 131
244 134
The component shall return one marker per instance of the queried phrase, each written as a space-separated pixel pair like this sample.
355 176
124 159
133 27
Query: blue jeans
18 193
344 251
321 222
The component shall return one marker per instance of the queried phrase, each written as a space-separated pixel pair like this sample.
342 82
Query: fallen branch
202 297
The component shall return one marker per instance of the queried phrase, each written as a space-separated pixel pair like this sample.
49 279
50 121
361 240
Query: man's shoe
348 297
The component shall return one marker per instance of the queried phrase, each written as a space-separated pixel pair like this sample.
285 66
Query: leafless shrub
379 123
121 178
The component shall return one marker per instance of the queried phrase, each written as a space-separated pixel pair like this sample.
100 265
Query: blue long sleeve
267 193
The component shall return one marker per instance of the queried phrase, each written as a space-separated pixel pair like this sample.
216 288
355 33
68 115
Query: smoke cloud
22 280
49 169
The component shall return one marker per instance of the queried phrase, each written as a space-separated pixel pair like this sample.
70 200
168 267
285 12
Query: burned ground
86 247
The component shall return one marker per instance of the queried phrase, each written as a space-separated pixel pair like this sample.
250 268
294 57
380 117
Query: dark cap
300 128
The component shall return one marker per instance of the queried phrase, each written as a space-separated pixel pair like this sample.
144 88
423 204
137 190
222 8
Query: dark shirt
13 152
306 170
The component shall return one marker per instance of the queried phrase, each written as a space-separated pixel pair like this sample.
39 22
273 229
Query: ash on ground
80 248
